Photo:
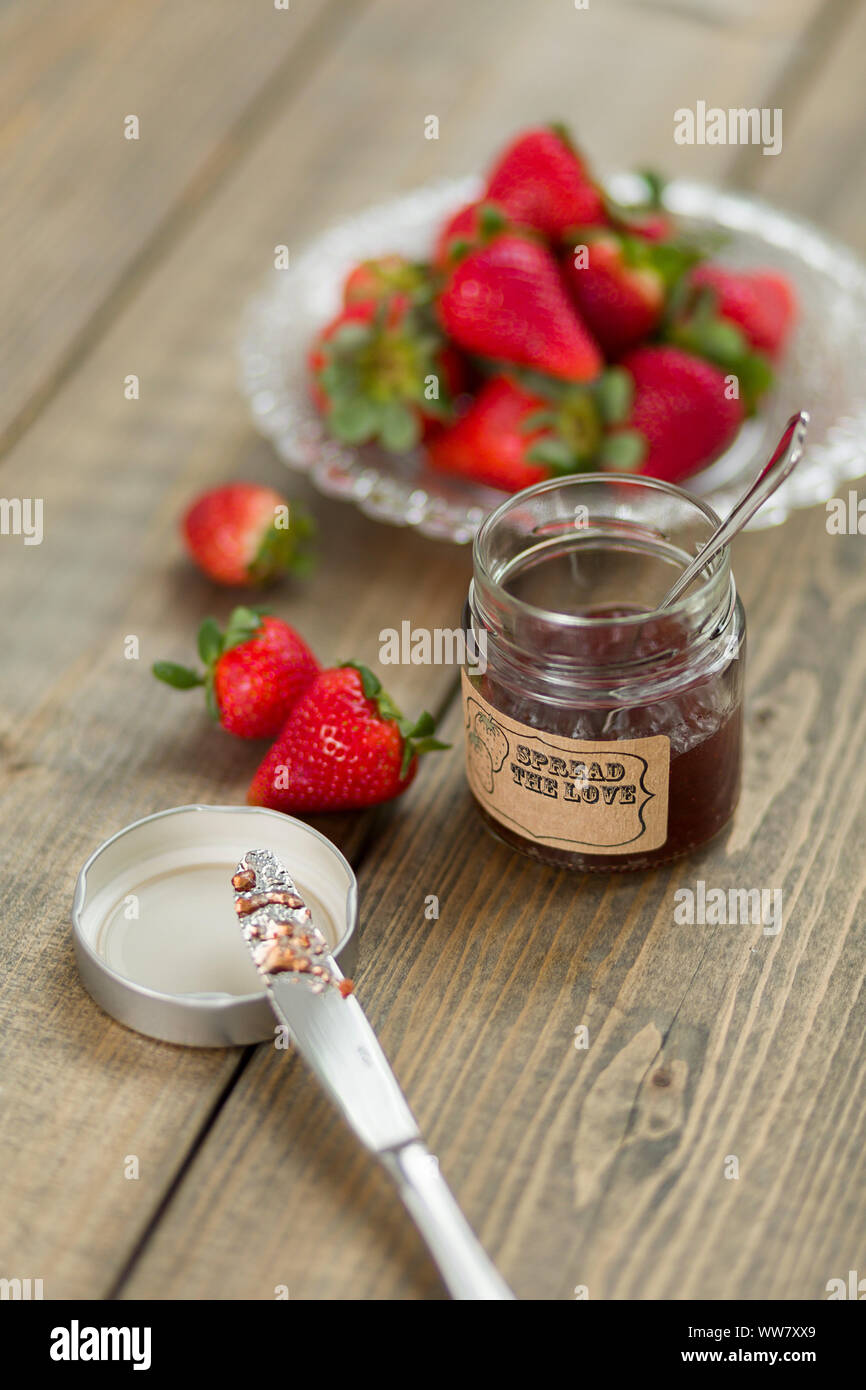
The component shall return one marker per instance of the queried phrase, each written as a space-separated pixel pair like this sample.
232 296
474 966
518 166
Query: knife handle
465 1268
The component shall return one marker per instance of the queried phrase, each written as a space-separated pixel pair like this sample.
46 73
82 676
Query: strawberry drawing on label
479 753
492 735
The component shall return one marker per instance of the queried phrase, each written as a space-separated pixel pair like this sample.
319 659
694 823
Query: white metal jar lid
154 927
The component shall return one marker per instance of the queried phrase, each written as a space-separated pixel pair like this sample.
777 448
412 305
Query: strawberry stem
212 642
285 548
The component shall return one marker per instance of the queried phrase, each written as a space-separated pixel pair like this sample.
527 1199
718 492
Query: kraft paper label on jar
599 797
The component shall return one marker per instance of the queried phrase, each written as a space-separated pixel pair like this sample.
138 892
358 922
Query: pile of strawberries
553 332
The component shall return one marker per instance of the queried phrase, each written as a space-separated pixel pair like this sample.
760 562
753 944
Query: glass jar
600 732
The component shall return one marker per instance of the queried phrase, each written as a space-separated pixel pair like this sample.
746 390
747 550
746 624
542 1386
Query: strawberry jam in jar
602 733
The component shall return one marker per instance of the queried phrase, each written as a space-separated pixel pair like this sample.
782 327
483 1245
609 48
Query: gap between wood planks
219 164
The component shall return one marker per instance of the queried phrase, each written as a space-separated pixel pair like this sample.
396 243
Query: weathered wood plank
822 171
82 208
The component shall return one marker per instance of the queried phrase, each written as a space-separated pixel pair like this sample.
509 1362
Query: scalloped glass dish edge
823 371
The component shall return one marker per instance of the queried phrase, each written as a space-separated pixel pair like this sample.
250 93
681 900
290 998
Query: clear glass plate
824 369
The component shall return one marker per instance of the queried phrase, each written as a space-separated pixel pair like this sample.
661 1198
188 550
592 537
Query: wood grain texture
544 1147
82 208
574 1168
765 17
822 173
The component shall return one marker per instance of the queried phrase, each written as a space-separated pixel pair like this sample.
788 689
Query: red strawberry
244 534
470 227
382 371
541 179
620 284
379 279
681 410
319 355
620 298
458 234
760 302
507 300
254 672
517 433
695 324
344 746
490 444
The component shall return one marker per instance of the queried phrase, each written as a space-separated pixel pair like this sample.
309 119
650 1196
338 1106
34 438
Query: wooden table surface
602 1168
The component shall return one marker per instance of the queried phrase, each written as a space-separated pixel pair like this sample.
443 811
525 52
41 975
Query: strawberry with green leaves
542 180
254 672
682 416
503 296
382 372
737 320
523 429
620 284
472 226
344 746
246 535
761 303
375 280
505 300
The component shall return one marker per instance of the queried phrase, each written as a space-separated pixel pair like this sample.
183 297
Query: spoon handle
785 456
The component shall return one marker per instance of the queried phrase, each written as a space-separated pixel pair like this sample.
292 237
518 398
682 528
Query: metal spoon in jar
784 459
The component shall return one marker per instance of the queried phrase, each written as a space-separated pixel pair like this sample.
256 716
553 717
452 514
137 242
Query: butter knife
311 997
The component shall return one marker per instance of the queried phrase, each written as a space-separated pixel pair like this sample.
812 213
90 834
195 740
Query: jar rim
718 567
